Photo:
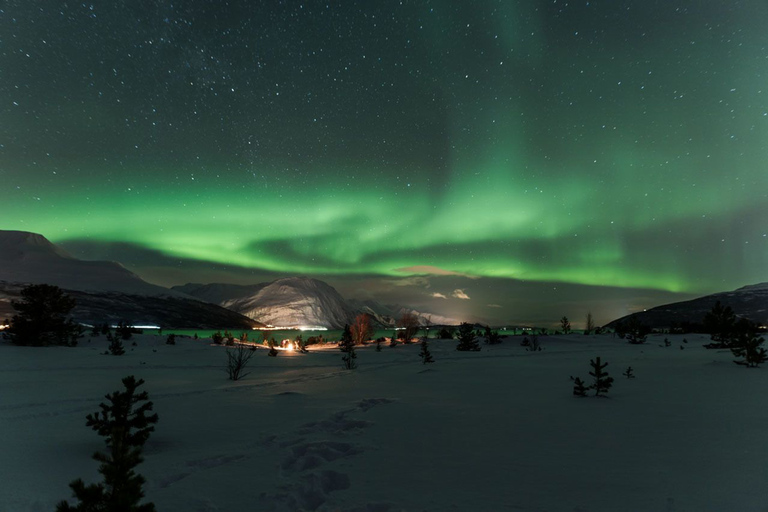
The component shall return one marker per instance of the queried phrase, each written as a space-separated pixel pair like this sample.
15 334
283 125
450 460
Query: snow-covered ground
486 431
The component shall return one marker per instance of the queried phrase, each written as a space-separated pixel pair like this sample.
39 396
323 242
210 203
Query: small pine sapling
378 345
603 381
667 343
171 340
425 354
579 389
347 346
115 347
629 373
217 338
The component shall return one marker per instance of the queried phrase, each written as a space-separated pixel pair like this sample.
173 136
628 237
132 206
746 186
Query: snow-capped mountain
301 301
287 302
750 302
387 315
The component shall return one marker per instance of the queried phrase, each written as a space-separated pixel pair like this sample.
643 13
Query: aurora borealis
419 146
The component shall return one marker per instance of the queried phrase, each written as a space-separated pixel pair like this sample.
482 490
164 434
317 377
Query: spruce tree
565 325
347 346
603 381
126 423
719 322
629 373
426 356
467 340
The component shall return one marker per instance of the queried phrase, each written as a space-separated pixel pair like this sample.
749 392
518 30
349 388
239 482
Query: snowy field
493 430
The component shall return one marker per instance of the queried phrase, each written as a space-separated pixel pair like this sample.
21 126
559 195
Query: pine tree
126 423
629 373
467 341
579 389
42 318
603 382
426 356
378 345
565 325
347 346
748 346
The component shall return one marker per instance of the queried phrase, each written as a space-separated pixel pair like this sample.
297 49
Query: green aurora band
618 155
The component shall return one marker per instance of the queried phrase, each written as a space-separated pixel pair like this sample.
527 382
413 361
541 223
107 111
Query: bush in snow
126 423
748 346
171 339
237 360
124 330
491 337
531 344
719 323
446 333
42 318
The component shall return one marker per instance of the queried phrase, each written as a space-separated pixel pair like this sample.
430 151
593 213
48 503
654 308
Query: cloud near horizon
460 294
438 295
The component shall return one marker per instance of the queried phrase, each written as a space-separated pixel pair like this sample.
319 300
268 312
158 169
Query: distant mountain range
750 302
300 301
108 292
104 291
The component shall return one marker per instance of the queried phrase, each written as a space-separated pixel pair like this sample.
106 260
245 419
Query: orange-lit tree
361 328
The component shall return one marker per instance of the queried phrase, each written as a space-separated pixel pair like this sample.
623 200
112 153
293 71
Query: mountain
387 315
104 291
749 302
287 302
30 258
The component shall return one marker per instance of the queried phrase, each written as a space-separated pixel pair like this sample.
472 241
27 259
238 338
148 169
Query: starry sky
508 161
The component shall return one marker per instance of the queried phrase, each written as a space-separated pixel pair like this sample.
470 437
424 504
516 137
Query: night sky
501 160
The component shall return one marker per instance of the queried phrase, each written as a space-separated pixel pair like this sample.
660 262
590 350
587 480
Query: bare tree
361 329
237 360
409 323
590 327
